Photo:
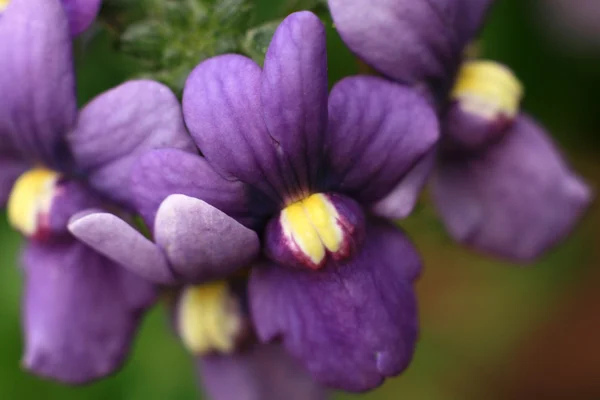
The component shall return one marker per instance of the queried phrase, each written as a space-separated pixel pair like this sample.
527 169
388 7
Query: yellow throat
209 318
31 198
312 224
488 89
3 4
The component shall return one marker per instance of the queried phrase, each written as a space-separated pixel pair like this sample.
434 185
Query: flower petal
70 198
403 199
222 109
409 41
352 324
81 13
37 106
264 128
378 131
81 312
161 173
515 200
10 170
117 240
201 242
294 93
120 125
262 372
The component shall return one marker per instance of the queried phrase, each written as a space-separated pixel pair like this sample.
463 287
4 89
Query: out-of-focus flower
80 309
303 170
572 23
213 322
499 183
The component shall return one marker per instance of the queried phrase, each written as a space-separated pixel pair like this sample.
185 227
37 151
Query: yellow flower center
31 199
312 224
488 89
209 318
3 4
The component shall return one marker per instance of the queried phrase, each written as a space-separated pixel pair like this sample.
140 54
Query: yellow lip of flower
312 225
4 4
488 89
31 199
209 319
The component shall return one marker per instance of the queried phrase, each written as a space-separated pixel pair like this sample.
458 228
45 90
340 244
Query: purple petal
262 372
81 312
378 131
162 173
201 242
264 129
221 105
294 93
353 324
37 106
120 125
70 198
409 41
403 199
515 200
81 13
117 240
10 170
467 132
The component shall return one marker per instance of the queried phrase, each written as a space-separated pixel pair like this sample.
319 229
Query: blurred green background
489 330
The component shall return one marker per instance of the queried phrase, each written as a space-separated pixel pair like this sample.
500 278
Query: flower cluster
269 198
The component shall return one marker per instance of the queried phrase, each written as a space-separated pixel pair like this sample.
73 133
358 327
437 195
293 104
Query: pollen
31 199
488 89
209 319
312 224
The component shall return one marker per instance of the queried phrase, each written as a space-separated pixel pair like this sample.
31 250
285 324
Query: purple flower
499 183
80 310
214 324
302 169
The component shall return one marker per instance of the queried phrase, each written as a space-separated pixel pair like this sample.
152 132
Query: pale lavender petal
81 13
119 241
37 105
352 325
515 200
378 131
410 41
81 312
162 173
118 126
201 242
261 372
400 203
294 94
